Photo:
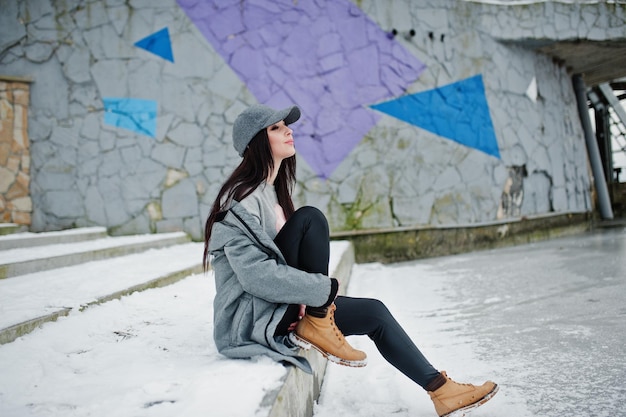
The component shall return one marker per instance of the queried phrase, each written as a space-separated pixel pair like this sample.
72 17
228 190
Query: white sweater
263 205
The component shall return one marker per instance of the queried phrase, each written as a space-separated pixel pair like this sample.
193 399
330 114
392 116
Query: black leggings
304 242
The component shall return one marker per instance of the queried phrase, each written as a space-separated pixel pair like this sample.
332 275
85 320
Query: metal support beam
606 211
607 91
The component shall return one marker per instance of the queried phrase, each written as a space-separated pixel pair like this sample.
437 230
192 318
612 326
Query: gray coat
254 286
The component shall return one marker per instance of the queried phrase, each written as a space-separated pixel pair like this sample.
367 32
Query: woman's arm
261 275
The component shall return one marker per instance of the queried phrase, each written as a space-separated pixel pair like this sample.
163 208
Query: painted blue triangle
457 111
158 43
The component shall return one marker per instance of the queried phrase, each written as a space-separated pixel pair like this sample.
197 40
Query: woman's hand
301 314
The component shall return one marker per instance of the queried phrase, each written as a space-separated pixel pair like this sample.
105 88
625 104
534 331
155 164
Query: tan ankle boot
452 396
323 335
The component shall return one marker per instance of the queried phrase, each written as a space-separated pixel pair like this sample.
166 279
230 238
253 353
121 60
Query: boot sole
306 345
468 408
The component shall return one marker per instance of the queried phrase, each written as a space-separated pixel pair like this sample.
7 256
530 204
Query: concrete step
35 298
57 274
28 239
26 260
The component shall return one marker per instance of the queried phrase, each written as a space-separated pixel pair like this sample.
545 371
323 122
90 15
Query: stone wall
133 104
15 201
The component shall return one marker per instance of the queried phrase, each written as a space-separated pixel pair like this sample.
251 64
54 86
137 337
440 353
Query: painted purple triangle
325 56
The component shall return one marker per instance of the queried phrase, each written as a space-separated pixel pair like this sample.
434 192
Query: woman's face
281 141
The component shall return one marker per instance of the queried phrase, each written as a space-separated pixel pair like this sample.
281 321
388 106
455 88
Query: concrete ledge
76 253
14 79
28 239
397 245
162 281
11 333
9 228
299 390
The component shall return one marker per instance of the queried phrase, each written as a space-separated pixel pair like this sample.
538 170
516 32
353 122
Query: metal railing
611 129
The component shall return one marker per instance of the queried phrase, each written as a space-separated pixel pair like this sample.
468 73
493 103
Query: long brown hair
253 170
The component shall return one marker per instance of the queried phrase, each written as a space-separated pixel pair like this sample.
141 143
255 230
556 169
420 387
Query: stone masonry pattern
86 172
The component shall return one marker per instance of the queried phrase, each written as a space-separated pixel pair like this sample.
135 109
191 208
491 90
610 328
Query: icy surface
546 321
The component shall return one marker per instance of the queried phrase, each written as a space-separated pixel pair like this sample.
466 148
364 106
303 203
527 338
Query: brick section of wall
15 202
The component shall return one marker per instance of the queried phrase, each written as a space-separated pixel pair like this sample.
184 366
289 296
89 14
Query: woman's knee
310 211
371 310
312 215
378 309
355 315
379 317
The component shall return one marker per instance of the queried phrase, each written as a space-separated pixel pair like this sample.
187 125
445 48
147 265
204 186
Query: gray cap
256 118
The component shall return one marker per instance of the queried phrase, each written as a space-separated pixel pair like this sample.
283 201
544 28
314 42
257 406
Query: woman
273 292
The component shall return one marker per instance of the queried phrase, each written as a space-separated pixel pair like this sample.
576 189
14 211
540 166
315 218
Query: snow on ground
148 354
545 321
37 294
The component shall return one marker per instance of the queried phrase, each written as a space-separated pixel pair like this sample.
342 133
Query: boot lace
459 383
334 326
